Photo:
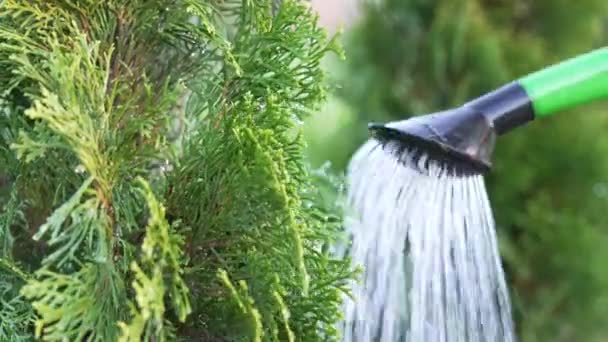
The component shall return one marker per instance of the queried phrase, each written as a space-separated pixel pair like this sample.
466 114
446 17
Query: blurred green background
549 186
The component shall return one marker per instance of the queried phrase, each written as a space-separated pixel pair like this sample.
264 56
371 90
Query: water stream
428 246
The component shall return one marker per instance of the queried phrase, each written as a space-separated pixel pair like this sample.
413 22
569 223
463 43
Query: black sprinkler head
461 140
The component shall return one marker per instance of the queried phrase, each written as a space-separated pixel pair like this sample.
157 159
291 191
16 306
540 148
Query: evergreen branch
85 304
11 214
162 246
246 304
161 255
147 322
75 223
201 99
16 315
278 293
275 171
245 170
14 269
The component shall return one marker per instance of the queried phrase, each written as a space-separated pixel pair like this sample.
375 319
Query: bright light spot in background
600 190
334 14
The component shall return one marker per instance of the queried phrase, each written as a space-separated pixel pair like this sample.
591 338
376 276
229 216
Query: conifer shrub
152 179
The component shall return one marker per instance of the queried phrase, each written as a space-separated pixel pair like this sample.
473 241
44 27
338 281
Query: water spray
422 225
463 138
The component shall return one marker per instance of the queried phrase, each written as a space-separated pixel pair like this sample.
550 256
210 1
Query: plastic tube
574 82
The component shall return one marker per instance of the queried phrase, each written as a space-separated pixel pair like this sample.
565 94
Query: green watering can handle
570 83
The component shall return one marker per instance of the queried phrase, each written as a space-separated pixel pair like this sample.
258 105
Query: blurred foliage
549 186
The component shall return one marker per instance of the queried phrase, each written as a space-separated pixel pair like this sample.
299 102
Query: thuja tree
153 185
548 184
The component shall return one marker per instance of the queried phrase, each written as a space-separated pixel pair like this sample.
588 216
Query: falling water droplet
166 167
297 120
80 169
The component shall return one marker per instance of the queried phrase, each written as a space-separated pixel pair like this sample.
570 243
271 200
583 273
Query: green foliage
254 207
84 304
16 315
162 257
157 144
548 186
